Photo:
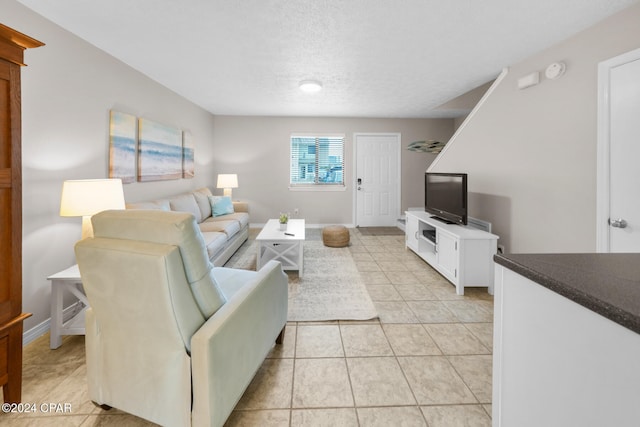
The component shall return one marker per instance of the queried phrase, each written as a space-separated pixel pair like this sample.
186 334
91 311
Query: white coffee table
274 244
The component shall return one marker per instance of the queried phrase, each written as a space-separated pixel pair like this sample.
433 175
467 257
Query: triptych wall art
144 150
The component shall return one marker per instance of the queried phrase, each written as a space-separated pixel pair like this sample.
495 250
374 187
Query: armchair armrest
228 349
241 206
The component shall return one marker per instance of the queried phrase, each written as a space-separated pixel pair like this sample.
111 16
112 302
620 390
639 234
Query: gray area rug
330 289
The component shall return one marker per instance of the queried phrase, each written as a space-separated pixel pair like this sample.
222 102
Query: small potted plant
284 219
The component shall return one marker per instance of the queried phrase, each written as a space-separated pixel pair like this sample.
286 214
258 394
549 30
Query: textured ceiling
375 58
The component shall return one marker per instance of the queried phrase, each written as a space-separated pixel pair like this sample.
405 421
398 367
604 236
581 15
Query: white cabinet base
557 363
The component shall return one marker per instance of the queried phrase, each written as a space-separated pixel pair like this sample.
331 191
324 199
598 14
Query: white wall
68 89
531 154
257 149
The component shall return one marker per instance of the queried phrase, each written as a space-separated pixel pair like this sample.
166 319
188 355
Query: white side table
66 280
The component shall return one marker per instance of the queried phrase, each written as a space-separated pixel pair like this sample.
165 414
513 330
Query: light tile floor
425 362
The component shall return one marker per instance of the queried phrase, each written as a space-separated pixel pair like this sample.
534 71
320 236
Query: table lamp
87 197
227 181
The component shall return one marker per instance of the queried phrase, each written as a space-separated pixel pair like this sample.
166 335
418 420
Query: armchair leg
280 338
103 407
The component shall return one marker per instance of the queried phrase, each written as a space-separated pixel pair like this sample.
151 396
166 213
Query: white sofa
170 338
223 235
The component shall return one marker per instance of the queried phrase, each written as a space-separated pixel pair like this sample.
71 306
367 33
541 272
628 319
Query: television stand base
462 254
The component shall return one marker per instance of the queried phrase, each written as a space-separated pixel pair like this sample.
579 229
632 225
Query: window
317 160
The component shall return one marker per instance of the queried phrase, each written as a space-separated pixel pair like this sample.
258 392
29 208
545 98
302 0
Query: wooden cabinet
462 254
12 46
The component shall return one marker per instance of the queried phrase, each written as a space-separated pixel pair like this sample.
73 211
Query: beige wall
68 89
257 149
531 154
67 92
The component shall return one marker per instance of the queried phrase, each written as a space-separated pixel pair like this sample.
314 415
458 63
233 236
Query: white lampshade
87 197
227 181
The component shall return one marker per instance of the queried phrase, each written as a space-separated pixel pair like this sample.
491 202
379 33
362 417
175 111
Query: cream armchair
169 337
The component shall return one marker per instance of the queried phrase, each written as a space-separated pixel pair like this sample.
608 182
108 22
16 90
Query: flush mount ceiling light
310 86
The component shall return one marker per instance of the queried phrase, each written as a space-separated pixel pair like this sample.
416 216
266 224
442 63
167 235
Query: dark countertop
606 283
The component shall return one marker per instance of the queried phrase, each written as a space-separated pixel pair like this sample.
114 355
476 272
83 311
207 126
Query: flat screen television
445 196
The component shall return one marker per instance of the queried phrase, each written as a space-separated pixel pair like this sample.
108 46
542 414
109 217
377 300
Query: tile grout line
293 373
346 364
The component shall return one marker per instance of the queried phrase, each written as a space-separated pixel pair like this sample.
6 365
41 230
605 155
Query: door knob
617 223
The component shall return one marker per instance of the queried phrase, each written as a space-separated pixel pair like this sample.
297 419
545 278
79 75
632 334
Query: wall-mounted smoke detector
555 70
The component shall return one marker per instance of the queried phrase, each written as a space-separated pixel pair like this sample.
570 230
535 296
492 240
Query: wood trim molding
13 44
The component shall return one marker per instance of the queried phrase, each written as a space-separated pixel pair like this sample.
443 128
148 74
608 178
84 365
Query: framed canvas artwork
188 166
122 146
159 151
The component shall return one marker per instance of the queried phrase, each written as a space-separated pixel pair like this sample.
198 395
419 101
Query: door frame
603 199
398 137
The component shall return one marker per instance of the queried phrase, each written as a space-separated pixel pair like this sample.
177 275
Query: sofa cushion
186 203
241 217
161 204
221 205
215 242
202 198
173 228
227 227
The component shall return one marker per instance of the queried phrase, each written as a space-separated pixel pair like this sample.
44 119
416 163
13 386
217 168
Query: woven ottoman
335 236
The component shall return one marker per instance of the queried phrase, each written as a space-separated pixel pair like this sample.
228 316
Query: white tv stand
462 254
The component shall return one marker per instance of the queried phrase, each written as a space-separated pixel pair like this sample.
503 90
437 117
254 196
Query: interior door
620 107
377 179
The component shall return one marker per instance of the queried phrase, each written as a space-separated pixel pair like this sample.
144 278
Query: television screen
446 196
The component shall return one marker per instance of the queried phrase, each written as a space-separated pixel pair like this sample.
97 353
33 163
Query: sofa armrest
228 349
241 207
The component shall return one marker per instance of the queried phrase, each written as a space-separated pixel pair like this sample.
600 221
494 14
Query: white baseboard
43 327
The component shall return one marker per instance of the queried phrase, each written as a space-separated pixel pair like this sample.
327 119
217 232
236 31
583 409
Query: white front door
377 179
619 154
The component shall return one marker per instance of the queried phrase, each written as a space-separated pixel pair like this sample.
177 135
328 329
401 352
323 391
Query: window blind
317 160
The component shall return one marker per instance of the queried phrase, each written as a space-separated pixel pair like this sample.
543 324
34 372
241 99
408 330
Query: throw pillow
221 205
186 203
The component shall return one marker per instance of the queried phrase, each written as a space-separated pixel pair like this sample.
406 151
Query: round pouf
335 236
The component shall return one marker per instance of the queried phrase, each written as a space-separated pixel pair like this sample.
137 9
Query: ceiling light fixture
310 86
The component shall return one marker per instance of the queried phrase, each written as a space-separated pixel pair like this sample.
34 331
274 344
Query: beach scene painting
159 151
188 167
122 146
